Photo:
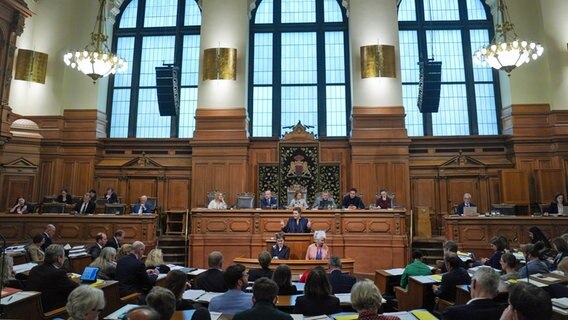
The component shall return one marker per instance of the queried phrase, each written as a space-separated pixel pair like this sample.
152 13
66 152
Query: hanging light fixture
96 60
507 51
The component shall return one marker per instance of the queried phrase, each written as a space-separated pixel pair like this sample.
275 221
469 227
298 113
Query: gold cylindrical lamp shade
220 64
378 61
31 66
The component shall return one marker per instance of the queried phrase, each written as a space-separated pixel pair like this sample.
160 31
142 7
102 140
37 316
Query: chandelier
506 51
96 60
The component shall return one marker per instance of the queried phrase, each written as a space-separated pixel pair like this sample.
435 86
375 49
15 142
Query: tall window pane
299 61
160 13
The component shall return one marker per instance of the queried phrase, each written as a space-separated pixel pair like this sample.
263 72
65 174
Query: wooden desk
474 233
359 234
75 229
297 266
297 242
386 282
418 295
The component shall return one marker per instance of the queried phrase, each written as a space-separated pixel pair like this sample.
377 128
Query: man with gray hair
131 272
213 280
163 301
142 313
340 282
52 281
484 285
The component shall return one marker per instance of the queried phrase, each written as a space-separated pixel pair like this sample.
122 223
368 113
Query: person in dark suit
49 279
111 196
383 202
280 250
268 201
466 203
143 206
557 205
317 298
117 240
484 286
48 234
498 244
560 246
264 259
296 224
352 201
456 275
213 280
527 301
64 197
264 297
101 240
451 246
131 273
283 278
85 206
340 282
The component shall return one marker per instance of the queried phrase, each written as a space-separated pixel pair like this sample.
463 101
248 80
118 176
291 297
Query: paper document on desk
21 268
343 297
322 317
193 294
560 302
296 316
197 272
215 315
395 271
403 315
539 276
17 297
531 281
425 279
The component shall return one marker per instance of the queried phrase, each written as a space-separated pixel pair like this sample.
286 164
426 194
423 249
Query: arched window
150 33
449 31
299 67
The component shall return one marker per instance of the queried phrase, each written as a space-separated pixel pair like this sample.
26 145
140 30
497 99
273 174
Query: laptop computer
470 212
89 275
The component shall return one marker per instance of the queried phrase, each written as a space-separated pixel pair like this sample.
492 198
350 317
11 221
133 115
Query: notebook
89 275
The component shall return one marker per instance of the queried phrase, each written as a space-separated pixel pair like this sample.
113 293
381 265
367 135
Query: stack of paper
193 294
395 271
77 251
16 249
21 268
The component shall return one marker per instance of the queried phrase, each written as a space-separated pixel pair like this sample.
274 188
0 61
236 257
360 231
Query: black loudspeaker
168 90
429 86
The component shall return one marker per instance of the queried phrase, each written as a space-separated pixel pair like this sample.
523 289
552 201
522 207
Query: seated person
264 297
143 206
318 250
85 206
47 234
268 201
283 278
155 260
527 301
383 202
451 246
317 298
177 283
416 268
106 264
64 197
100 242
110 196
366 299
560 246
234 300
498 244
218 202
534 263
85 302
163 301
484 286
298 201
465 204
117 240
143 313
509 267
93 195
21 207
51 280
456 275
557 205
296 224
131 273
352 201
280 250
8 279
340 282
34 249
264 259
212 280
324 201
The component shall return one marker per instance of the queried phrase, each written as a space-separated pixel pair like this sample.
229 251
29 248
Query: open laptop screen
90 274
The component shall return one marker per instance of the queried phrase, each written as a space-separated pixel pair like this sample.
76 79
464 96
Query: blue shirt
231 302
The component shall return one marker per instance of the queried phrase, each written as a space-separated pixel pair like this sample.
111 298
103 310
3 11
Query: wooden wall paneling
361 173
398 182
15 186
47 185
84 176
548 182
103 183
68 172
515 187
141 186
383 176
177 194
457 186
237 181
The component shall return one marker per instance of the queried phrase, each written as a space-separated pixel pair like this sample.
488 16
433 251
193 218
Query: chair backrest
114 208
543 207
153 201
53 208
245 200
291 192
48 199
101 201
76 199
390 196
211 195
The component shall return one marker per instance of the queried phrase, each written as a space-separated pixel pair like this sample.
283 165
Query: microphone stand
3 262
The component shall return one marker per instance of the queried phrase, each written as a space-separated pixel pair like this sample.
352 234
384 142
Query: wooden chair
442 304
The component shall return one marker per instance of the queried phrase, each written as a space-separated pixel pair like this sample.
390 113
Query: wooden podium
297 242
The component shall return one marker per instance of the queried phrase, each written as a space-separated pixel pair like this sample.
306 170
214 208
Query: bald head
142 313
50 230
138 248
143 199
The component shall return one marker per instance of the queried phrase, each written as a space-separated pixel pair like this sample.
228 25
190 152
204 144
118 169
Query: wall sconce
378 61
31 66
220 64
